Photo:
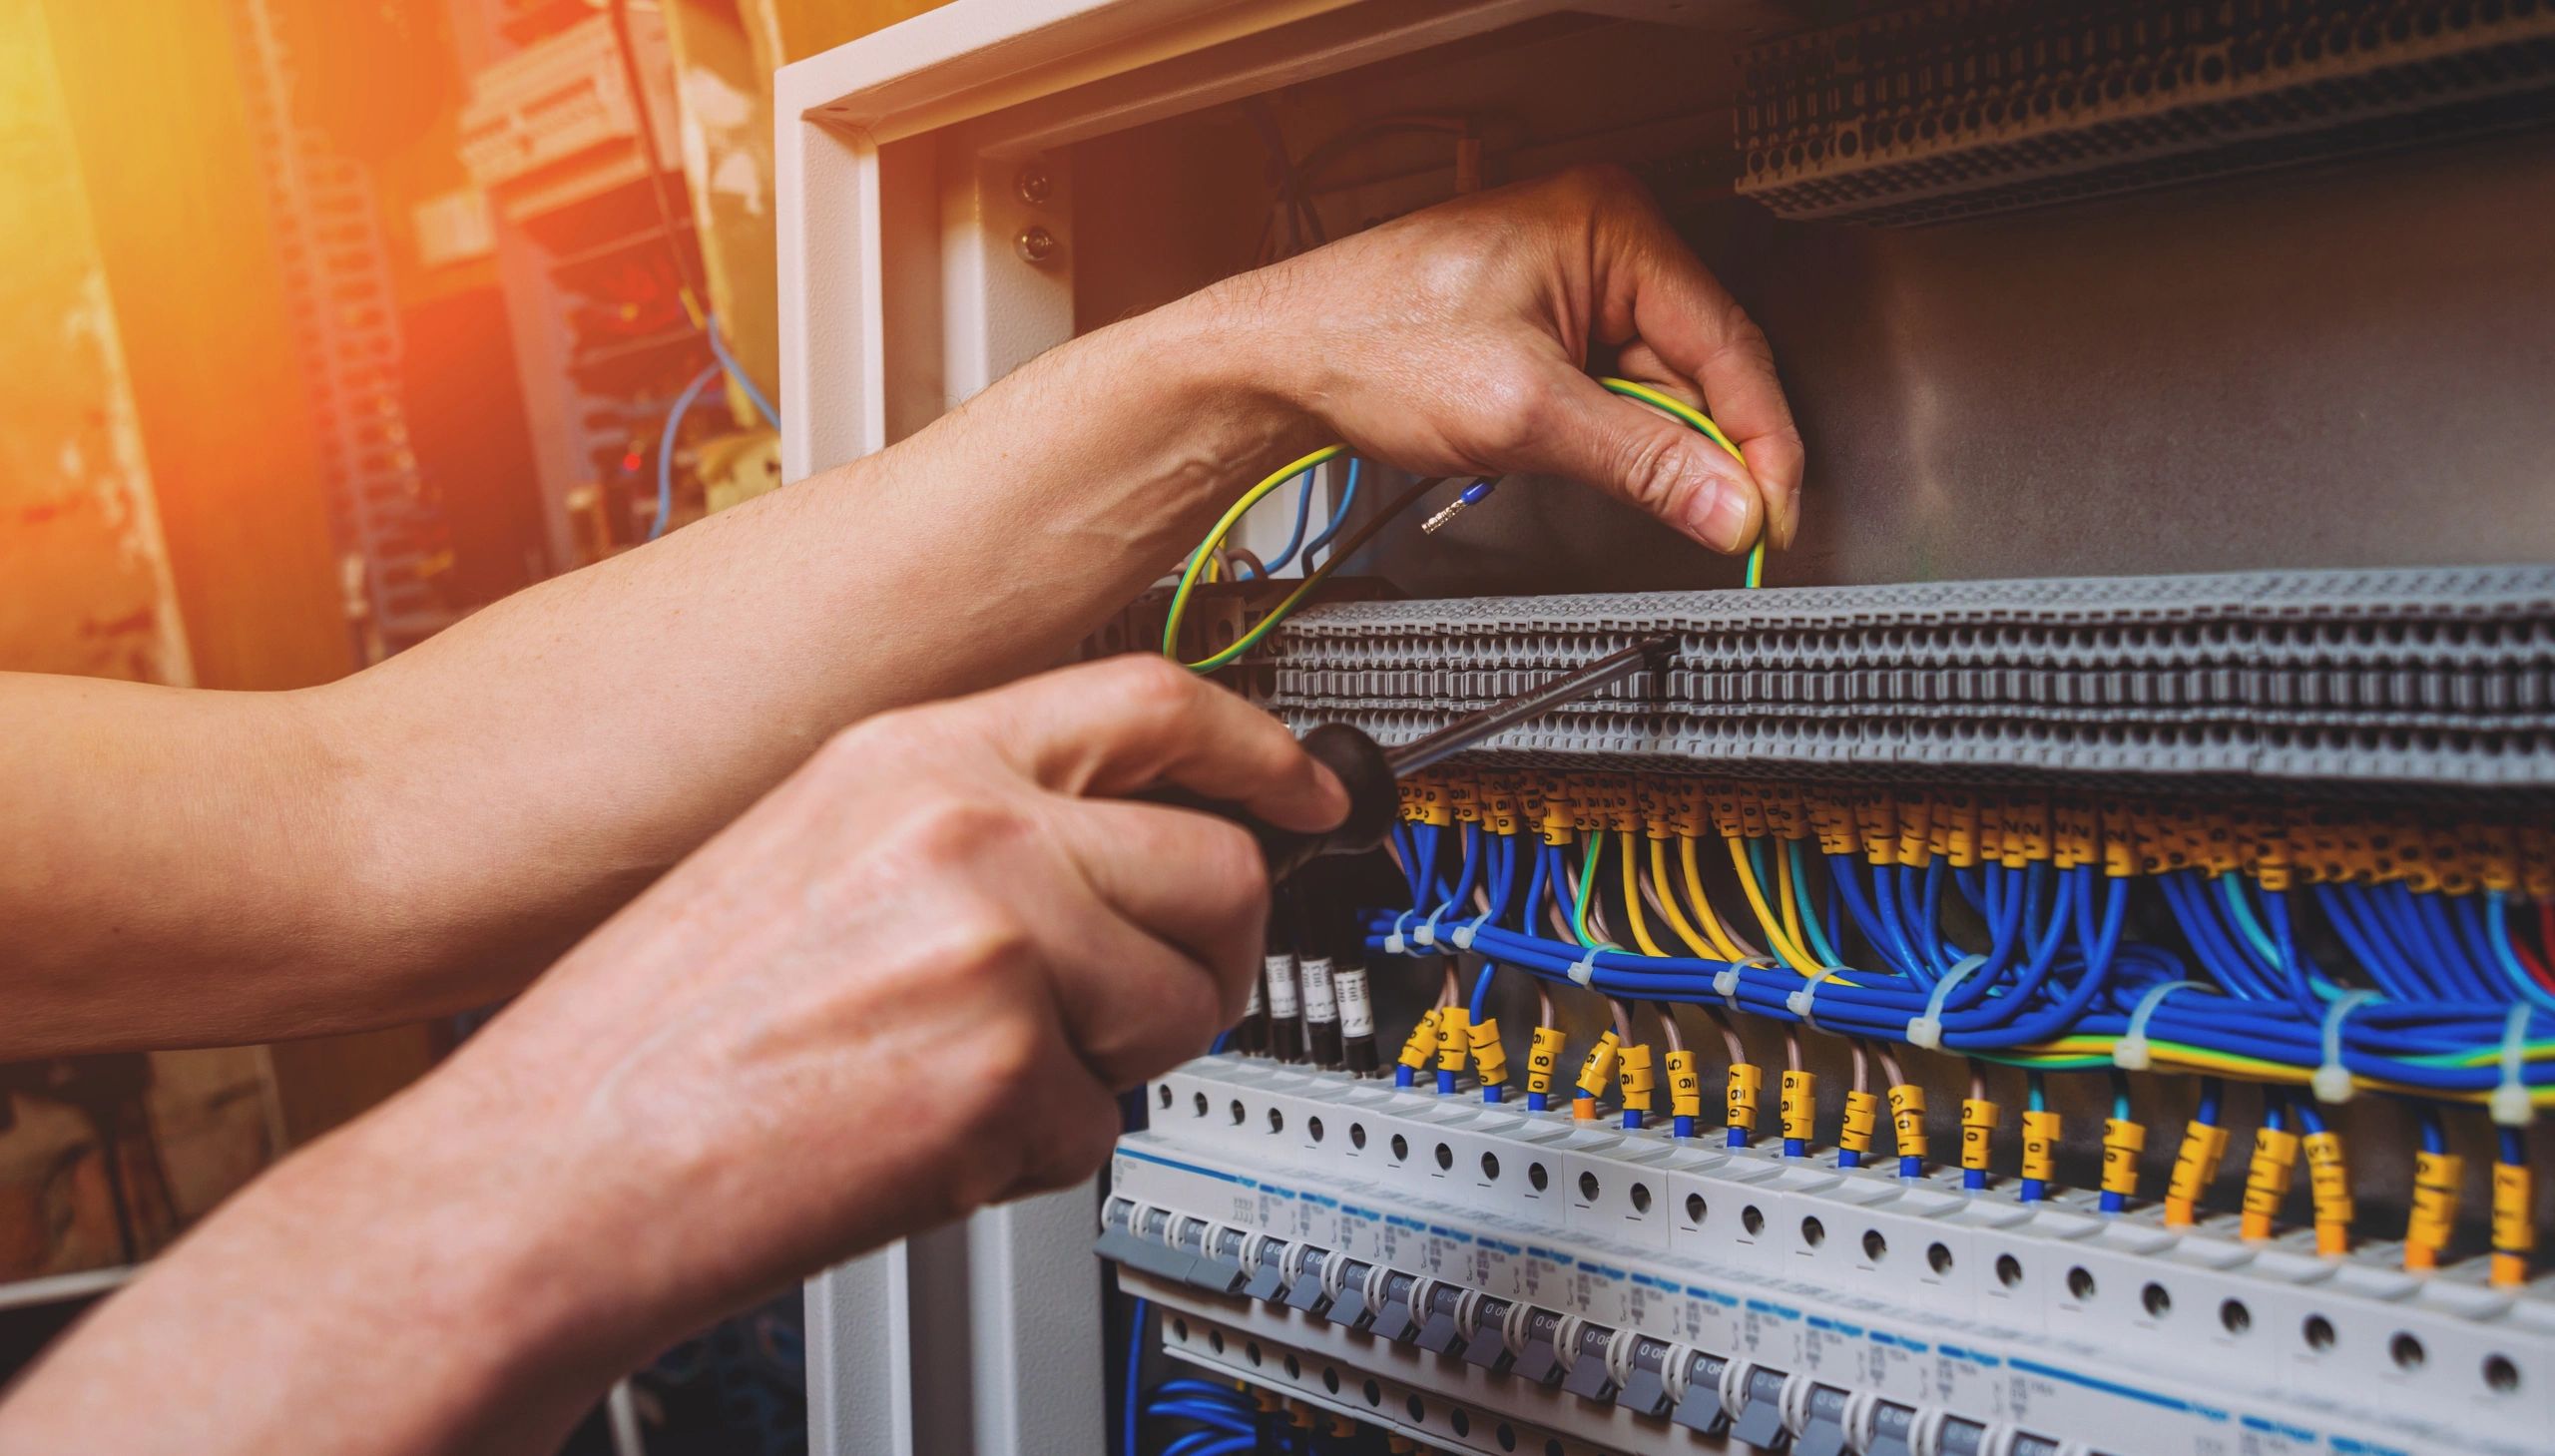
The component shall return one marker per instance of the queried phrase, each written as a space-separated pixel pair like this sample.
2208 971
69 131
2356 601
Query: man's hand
911 981
1460 340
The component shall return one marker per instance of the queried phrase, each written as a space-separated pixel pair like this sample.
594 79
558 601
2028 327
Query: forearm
418 839
571 744
393 1289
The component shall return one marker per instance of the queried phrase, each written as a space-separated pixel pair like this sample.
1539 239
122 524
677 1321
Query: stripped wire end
1473 495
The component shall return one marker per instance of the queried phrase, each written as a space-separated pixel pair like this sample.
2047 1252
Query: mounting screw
1035 244
1035 182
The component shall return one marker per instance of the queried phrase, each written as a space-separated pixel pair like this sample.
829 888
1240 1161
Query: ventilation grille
1957 109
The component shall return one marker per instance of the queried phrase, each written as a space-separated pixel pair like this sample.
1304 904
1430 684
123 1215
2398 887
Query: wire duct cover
2357 682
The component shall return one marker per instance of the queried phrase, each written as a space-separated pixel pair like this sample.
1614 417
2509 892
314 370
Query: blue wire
1338 513
666 448
2498 934
1133 1405
1294 538
745 381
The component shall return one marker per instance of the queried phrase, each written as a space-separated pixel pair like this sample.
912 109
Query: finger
1655 290
1135 722
1194 882
1150 962
1649 458
1641 363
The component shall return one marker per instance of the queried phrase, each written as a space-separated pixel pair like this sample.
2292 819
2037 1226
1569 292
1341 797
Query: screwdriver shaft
1474 728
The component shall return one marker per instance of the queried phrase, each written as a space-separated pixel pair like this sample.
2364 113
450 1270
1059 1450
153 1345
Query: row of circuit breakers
1475 1275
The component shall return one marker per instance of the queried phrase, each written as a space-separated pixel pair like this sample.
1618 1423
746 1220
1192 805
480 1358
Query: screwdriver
1371 772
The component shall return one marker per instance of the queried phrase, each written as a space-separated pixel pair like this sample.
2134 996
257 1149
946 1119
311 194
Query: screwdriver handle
1375 801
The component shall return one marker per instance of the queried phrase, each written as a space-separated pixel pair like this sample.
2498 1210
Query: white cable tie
1927 1029
1394 943
1584 969
1725 980
1425 934
1800 1001
2510 1104
2130 1052
2332 1083
1462 937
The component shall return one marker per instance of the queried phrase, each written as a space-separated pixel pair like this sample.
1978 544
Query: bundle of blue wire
2055 962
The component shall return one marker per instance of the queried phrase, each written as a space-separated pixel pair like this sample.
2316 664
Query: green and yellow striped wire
1206 552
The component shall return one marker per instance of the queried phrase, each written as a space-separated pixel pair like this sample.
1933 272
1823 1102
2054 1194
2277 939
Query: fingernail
1725 517
1783 519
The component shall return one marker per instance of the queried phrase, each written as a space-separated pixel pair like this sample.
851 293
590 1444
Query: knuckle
1011 1053
949 832
1650 466
1230 867
1516 407
1193 1011
1150 683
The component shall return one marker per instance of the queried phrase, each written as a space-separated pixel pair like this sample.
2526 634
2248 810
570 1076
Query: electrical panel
1604 1266
2065 967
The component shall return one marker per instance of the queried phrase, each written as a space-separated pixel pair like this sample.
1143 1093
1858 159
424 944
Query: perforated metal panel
1980 106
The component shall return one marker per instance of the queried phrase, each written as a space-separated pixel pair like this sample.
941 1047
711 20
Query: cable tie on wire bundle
1725 980
1424 934
1395 944
2130 1053
1927 1029
1800 1001
1461 937
2332 1083
2509 1104
1584 969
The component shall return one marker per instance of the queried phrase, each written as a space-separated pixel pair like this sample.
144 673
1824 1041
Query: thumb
1649 459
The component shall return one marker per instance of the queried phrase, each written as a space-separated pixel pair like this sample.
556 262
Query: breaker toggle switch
1268 1274
1439 1330
1822 1423
1219 1266
1348 1293
1309 1292
1393 1317
1487 1345
1893 1431
1645 1390
1700 1409
1146 1245
1589 1377
1961 1438
1537 1359
1759 1421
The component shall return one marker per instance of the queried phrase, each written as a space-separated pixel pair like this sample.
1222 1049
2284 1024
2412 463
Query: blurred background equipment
325 322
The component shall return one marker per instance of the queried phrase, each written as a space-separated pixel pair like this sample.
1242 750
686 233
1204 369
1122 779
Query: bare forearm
384 1291
418 839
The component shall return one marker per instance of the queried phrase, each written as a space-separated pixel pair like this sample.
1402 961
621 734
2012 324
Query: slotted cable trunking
2363 684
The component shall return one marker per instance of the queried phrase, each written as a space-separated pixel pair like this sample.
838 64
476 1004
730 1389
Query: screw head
1035 244
1035 184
